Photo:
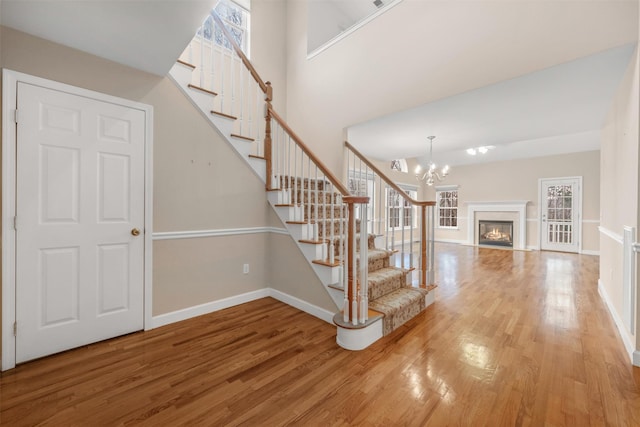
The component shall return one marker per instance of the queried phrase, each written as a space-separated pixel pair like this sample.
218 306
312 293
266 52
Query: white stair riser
430 298
182 74
202 100
224 124
243 147
298 231
293 213
259 166
337 296
311 251
279 197
327 275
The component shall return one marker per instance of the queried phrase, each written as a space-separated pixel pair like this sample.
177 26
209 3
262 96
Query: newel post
423 245
267 134
427 242
355 300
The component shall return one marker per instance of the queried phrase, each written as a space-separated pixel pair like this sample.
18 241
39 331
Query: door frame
10 81
541 208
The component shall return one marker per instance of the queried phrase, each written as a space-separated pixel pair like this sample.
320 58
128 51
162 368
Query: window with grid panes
398 207
447 203
236 19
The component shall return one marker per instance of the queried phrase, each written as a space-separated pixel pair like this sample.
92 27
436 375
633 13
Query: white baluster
308 205
354 274
242 84
259 103
332 243
212 84
200 66
317 207
221 93
364 267
289 189
402 247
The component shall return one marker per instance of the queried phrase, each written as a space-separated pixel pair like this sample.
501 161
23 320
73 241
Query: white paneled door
560 214
79 221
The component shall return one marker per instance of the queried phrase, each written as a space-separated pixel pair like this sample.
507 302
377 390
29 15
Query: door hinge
15 329
15 115
15 222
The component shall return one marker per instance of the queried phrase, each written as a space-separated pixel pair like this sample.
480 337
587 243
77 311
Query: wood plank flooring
514 338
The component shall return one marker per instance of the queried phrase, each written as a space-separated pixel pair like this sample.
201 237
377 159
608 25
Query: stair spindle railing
331 221
222 69
399 216
331 214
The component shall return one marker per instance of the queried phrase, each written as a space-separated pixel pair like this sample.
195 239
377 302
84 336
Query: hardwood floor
514 338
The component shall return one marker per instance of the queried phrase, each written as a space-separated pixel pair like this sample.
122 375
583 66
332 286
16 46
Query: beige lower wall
289 272
611 271
189 272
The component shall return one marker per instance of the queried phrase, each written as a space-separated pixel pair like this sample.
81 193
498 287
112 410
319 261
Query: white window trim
404 187
441 188
246 6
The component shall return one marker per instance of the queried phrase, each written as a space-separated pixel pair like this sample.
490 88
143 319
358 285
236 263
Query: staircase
327 222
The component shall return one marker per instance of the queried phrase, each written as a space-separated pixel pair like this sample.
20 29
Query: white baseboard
456 241
588 252
308 308
634 356
210 307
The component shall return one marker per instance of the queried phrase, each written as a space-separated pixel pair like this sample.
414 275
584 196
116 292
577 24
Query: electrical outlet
245 269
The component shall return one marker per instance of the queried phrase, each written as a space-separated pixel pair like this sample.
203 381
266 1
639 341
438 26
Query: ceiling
557 110
327 19
150 34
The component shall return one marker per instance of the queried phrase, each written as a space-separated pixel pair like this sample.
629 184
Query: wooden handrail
386 179
332 178
242 56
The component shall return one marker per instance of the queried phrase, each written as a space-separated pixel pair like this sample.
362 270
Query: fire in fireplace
497 233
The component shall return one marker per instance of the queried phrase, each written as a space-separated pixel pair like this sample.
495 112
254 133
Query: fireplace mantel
517 206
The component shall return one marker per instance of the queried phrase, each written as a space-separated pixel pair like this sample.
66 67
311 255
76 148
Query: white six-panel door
79 207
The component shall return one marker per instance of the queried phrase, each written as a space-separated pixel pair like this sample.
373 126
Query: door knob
135 232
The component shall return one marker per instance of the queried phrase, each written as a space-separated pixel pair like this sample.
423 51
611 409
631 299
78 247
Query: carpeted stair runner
389 293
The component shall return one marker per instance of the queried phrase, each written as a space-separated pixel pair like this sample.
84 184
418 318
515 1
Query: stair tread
326 262
201 89
312 242
396 300
228 116
384 272
246 138
185 63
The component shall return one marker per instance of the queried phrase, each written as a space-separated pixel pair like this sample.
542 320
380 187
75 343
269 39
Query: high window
236 18
447 204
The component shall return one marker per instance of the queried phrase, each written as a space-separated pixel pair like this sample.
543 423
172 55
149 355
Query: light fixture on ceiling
431 175
482 150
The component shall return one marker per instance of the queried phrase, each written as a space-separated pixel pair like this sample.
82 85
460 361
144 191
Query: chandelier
431 174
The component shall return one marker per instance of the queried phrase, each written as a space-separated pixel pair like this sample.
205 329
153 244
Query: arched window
235 15
399 165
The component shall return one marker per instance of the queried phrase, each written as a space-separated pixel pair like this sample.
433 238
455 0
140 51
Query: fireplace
496 233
